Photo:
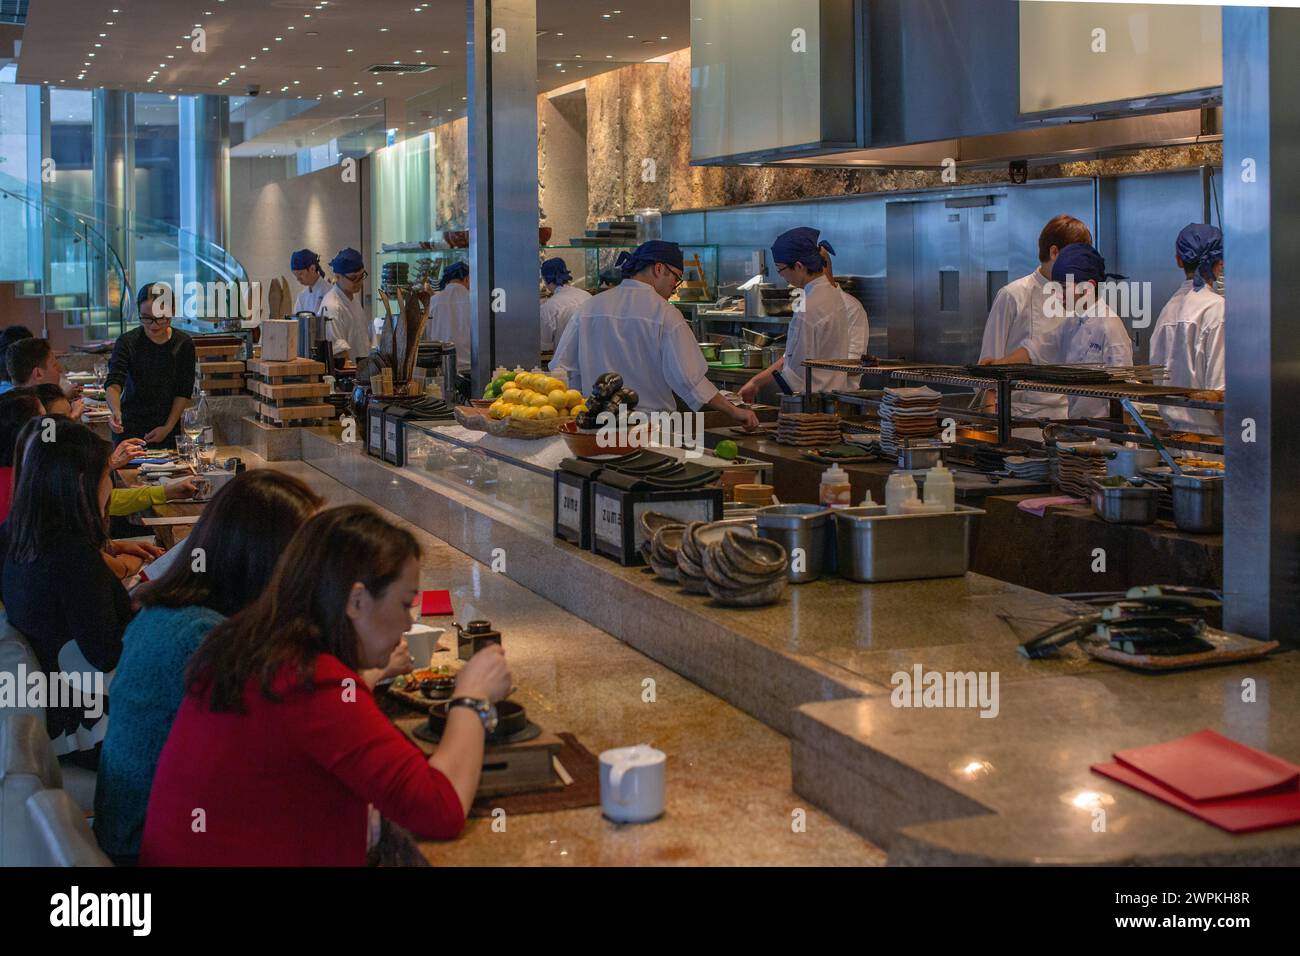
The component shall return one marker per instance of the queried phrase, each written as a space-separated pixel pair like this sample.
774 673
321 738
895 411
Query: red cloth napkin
1235 787
435 603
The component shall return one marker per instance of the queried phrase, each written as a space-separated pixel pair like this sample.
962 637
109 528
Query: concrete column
1261 166
503 184
205 169
113 136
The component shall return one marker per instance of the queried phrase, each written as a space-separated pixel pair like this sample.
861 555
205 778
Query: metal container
772 353
752 358
311 330
754 301
872 545
1198 501
1124 462
919 457
709 351
792 404
732 357
806 528
1126 504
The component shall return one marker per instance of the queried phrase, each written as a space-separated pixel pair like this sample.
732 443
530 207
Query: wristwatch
486 711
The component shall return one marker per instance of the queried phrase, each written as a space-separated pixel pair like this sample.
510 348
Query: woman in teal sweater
232 552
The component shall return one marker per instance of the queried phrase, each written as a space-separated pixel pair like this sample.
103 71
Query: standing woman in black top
151 374
57 588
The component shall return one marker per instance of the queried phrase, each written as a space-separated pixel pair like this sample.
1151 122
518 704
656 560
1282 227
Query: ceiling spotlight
278 39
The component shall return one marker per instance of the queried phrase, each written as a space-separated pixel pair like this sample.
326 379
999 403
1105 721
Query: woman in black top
150 375
57 589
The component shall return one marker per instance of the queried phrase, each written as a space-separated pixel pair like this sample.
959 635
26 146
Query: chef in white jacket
347 324
1089 332
450 313
632 329
1188 337
305 266
854 312
820 327
563 304
1020 311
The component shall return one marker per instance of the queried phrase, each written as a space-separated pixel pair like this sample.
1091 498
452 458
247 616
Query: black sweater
67 596
151 376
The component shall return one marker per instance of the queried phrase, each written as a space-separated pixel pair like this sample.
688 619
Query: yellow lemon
531 413
573 397
558 399
578 409
518 411
547 411
512 395
537 400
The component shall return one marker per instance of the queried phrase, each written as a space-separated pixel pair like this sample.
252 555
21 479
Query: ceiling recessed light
103 34
266 49
98 45
663 38
320 67
446 51
383 29
278 39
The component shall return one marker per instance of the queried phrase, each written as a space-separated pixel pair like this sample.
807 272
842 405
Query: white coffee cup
632 783
422 641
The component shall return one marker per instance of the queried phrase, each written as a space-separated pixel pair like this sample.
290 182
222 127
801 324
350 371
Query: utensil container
1198 502
801 529
1125 504
872 546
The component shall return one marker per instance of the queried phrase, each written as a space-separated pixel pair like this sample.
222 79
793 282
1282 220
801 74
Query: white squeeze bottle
940 492
900 487
835 491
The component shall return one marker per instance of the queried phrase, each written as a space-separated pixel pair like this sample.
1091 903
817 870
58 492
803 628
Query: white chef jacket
859 326
347 324
1019 313
449 321
1096 337
309 299
820 330
1188 341
563 304
632 330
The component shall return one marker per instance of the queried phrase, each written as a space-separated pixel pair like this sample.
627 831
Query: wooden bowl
457 238
544 234
584 444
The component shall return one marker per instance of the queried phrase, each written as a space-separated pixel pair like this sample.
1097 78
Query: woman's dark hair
18 406
241 534
58 467
301 614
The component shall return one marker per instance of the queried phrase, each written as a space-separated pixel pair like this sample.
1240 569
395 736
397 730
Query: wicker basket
511 427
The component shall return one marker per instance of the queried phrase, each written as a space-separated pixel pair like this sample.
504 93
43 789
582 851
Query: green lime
726 449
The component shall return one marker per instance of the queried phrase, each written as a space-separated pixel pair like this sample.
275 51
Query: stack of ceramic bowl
662 552
697 536
744 571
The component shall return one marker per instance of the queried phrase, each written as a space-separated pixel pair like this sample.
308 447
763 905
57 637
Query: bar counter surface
820 665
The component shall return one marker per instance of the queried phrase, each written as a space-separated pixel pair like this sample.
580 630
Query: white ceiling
322 48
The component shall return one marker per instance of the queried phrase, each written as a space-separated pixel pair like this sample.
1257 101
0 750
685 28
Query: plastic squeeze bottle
940 491
834 491
899 488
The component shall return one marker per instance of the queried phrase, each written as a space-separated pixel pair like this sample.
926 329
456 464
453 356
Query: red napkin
435 603
1235 787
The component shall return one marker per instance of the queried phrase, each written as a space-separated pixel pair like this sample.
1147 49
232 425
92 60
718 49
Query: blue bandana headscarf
347 262
1200 247
453 272
303 259
556 271
801 245
647 254
1083 262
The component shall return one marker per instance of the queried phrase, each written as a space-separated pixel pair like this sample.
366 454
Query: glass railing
64 257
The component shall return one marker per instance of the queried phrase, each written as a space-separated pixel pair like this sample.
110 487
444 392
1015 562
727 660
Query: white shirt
347 324
1097 337
563 304
859 333
1188 341
1018 314
309 299
632 330
449 321
820 330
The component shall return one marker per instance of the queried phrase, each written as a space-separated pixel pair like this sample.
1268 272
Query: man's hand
126 450
989 361
115 423
746 417
156 436
184 488
74 392
135 549
749 391
77 410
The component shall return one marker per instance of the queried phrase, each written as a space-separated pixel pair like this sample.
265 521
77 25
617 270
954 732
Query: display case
413 259
448 456
588 262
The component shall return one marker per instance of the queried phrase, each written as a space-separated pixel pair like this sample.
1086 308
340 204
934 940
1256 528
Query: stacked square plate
907 413
1030 469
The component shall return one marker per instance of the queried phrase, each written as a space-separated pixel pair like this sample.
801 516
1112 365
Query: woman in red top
279 745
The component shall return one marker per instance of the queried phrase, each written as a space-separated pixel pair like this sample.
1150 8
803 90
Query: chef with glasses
348 326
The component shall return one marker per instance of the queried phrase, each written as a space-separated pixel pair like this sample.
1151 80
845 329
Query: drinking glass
207 455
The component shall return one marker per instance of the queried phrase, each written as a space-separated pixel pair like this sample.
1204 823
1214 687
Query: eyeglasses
678 277
357 276
155 319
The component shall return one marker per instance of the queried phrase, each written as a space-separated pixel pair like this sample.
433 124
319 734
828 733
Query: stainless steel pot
1124 462
752 358
732 357
709 350
772 353
1126 504
1198 501
806 533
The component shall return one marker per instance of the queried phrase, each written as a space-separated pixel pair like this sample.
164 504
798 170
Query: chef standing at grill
563 304
820 327
632 329
347 325
1188 337
450 313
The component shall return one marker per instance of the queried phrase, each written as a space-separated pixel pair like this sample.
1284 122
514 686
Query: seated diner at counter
633 330
820 324
280 742
1089 334
150 374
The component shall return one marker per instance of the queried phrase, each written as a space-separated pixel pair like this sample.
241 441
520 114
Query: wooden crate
297 368
228 352
221 377
289 393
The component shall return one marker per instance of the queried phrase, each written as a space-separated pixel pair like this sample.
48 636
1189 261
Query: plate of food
424 687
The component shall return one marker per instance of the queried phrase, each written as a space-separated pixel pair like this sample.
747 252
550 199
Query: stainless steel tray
873 546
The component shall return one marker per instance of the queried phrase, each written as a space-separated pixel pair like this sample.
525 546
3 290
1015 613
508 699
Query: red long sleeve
287 782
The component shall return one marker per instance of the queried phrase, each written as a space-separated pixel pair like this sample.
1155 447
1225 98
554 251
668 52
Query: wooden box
279 340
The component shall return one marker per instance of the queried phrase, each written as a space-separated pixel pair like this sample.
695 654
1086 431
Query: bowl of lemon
533 405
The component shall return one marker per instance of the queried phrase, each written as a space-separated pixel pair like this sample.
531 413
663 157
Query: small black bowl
511 719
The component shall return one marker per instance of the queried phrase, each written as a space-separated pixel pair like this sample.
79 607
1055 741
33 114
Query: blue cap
1200 246
556 271
800 245
303 259
453 272
1083 263
347 262
648 253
